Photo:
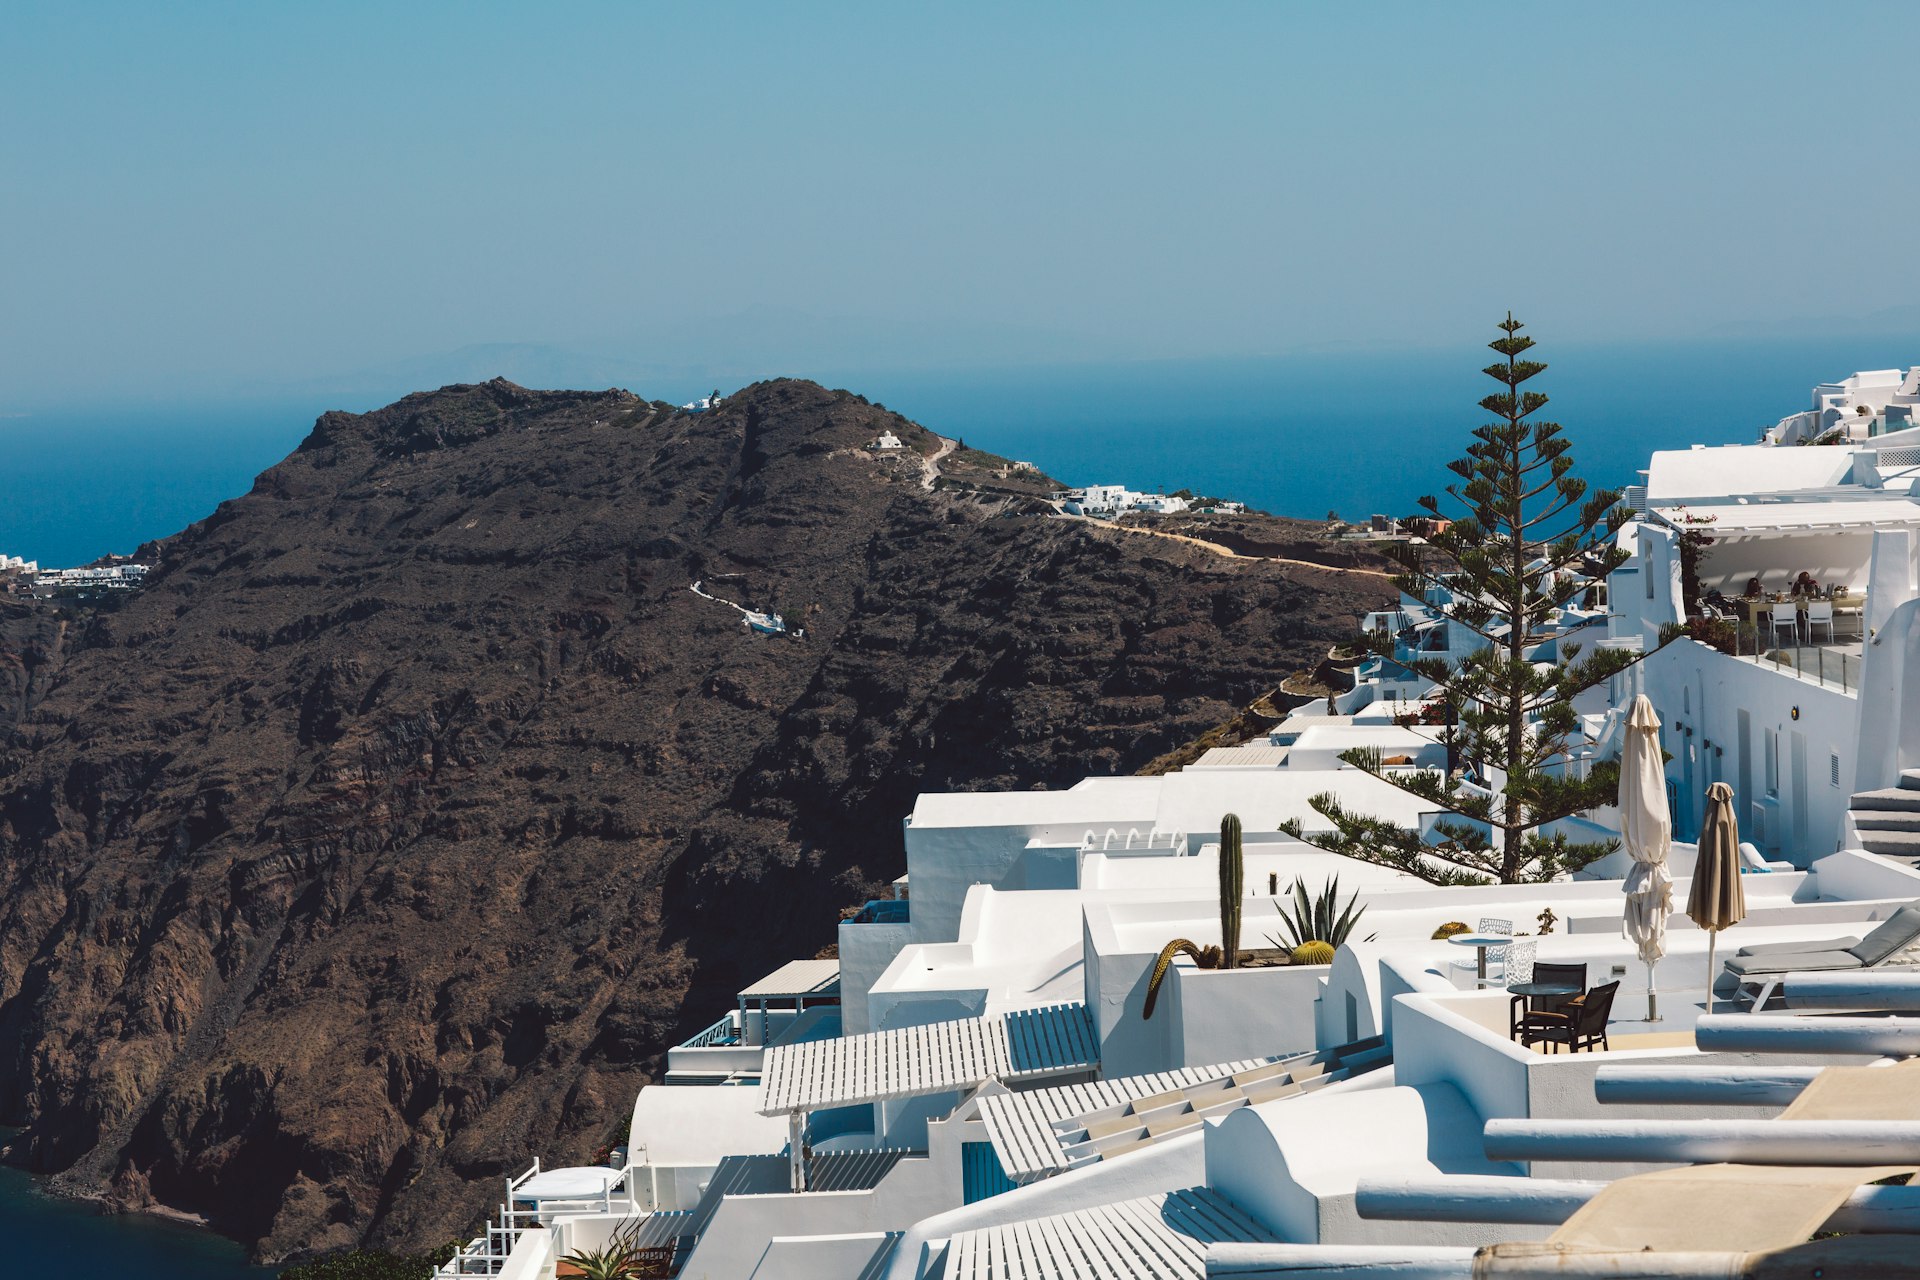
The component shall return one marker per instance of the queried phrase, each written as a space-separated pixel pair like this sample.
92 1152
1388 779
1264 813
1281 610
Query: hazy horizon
225 203
91 480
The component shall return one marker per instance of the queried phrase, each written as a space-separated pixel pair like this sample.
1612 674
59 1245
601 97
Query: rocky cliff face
387 839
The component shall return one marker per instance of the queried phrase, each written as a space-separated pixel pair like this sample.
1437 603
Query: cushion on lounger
1793 962
1783 948
1897 934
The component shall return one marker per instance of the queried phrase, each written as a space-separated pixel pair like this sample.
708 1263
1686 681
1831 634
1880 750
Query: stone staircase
1888 820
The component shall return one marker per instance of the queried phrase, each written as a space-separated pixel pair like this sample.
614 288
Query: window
1833 767
1770 760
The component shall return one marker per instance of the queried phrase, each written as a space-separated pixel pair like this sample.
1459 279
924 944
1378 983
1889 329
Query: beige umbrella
1717 901
1646 825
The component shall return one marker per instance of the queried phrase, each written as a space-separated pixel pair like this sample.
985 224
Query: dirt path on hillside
930 465
1227 552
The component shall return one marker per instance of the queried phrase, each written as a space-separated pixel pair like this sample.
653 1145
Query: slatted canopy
1732 519
1163 1237
939 1057
795 979
1021 1125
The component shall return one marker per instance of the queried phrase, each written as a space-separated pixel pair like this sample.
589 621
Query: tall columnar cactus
1233 888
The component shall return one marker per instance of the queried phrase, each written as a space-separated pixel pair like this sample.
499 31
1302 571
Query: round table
1480 941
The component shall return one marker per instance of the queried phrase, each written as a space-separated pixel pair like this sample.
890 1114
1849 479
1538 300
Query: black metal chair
1523 1009
1581 1022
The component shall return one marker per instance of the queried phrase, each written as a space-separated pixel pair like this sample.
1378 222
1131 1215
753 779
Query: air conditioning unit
1764 830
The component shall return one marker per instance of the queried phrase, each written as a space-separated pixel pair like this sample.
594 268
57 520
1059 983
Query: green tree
1529 538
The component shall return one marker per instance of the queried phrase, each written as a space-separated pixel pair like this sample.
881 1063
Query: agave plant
612 1261
1317 919
1203 957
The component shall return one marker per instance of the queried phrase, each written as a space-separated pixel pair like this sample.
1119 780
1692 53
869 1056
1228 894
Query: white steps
1888 820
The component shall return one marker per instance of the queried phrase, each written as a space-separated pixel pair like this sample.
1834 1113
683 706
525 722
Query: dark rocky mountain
388 837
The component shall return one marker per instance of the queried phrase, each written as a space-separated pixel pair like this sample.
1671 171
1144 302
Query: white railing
486 1254
1134 840
724 1032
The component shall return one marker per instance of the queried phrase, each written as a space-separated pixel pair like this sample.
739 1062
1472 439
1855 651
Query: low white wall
824 1257
1222 1015
716 1059
1854 873
1293 1165
1434 1042
533 1258
735 1241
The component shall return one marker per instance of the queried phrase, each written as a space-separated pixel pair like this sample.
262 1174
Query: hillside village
1398 1077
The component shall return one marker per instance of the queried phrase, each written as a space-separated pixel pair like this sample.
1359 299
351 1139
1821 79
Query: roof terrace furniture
1519 966
1819 614
1553 987
1763 969
1489 942
1786 616
1581 1022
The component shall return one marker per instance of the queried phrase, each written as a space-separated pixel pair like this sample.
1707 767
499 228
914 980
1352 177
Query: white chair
1819 614
1504 928
1786 615
1495 955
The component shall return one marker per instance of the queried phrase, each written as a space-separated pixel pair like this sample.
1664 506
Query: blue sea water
50 1237
1353 432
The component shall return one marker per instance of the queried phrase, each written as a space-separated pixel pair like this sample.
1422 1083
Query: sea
1350 431
52 1237
1347 431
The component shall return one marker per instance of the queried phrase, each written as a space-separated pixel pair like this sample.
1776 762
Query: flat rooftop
796 978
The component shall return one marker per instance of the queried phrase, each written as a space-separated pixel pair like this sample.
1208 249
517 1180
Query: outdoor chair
1519 966
1753 863
1765 967
1786 617
1495 955
1819 614
1523 1011
1581 1022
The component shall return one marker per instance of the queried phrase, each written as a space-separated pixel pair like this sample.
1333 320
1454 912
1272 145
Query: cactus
1448 929
1313 952
1233 889
1204 957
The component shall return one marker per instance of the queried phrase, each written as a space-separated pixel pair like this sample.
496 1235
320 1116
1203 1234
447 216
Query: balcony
1833 663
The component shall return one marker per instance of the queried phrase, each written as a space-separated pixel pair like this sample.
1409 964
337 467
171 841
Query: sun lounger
1784 948
1764 968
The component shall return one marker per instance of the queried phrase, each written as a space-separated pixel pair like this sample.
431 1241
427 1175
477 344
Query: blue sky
206 200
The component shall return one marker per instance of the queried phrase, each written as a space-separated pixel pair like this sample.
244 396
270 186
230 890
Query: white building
1870 404
887 443
973 1090
1107 500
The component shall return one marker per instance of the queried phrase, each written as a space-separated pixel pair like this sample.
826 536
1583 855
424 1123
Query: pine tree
1529 539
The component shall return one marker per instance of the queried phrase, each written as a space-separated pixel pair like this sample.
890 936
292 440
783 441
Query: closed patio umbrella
1646 824
1717 900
